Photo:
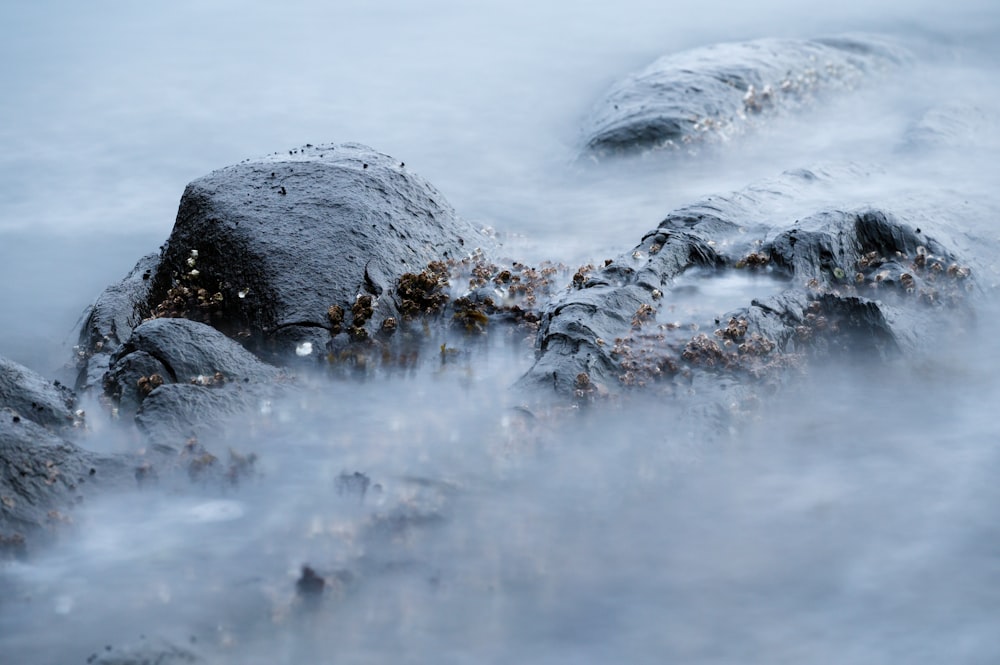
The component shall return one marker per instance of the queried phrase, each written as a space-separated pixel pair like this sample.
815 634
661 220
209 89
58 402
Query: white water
853 521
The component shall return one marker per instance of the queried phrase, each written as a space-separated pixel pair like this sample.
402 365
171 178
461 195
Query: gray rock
42 474
840 282
42 477
710 93
110 321
35 398
175 413
271 244
186 365
152 652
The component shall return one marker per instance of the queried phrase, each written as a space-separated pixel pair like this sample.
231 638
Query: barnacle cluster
192 295
753 260
932 279
425 292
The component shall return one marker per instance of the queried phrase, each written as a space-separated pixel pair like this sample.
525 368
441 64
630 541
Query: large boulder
828 283
264 249
283 252
710 93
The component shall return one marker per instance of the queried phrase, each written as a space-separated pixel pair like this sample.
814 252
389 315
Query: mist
849 516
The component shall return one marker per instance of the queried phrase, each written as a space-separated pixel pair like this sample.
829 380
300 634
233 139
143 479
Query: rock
152 652
711 93
110 321
35 398
42 477
42 474
163 351
175 413
831 283
184 379
263 249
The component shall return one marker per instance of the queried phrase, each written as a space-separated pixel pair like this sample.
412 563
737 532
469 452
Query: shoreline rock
708 94
858 280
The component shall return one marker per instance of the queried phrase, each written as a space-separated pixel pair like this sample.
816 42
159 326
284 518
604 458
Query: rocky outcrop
110 321
837 282
189 354
264 249
42 474
708 94
284 252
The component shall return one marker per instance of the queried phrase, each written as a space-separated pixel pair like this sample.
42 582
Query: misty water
851 518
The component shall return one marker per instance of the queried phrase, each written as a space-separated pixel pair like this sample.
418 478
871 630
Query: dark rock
42 477
841 282
175 413
42 474
184 379
152 652
353 483
164 351
309 583
110 321
263 249
711 93
35 398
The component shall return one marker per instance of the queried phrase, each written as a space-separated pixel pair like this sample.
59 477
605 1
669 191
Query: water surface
849 519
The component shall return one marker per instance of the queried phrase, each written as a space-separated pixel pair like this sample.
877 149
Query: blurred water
852 520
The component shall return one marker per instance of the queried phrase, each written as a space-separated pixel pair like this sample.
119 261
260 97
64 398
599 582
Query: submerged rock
951 125
710 93
42 474
858 280
183 352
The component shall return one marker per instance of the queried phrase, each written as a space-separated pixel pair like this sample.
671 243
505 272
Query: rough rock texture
709 93
35 398
175 413
269 245
842 281
263 249
111 320
165 351
42 476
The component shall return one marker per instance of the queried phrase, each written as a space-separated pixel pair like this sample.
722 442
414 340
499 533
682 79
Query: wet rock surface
182 352
839 282
111 320
35 398
262 250
43 476
708 94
